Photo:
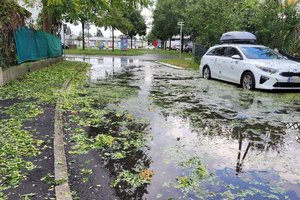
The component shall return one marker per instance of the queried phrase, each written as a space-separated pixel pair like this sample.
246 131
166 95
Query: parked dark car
188 49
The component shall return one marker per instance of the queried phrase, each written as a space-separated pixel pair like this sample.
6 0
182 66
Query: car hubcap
206 73
247 82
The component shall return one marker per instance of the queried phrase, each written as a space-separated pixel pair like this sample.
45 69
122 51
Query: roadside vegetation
12 16
95 52
275 23
184 63
129 52
124 16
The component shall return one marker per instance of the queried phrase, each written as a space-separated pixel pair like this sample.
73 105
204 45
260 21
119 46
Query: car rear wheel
248 81
206 72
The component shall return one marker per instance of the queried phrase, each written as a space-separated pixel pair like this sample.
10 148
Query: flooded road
209 140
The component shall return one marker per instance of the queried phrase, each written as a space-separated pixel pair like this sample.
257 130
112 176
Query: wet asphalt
39 181
248 141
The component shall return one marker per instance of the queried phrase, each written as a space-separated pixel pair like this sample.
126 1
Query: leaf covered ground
100 131
23 102
95 130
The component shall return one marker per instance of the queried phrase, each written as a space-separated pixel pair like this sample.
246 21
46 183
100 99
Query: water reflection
258 125
248 141
105 67
240 161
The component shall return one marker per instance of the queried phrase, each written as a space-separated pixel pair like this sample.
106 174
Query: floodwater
210 140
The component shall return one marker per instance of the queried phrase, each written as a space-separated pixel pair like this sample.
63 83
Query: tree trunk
131 42
83 42
165 45
47 21
113 39
170 43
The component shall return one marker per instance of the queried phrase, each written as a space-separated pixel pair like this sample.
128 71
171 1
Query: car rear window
231 51
219 51
260 53
211 52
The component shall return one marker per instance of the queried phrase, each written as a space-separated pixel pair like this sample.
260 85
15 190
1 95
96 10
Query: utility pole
181 39
64 38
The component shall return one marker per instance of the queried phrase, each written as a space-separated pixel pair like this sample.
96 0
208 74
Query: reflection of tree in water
265 145
211 122
260 134
208 122
241 158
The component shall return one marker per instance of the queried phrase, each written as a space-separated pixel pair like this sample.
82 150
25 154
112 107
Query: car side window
230 51
211 52
220 51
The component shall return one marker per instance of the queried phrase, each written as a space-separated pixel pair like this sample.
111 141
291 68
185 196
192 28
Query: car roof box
238 37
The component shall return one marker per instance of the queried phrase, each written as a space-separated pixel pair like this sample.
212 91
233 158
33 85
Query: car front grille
286 85
289 74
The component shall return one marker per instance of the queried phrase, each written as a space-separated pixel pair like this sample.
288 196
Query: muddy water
212 140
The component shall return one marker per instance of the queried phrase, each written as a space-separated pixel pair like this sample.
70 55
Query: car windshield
260 53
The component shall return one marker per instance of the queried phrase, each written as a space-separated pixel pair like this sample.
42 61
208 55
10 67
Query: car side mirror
236 57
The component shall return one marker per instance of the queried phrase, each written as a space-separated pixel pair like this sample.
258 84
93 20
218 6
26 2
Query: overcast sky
147 14
76 29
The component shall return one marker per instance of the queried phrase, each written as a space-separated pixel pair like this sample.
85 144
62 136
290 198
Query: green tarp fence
34 45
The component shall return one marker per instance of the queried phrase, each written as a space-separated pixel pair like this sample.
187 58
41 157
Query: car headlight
267 69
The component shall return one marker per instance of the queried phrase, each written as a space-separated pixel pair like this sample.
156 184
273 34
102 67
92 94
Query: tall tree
84 12
150 37
165 18
138 24
51 15
103 12
73 11
275 23
208 19
114 17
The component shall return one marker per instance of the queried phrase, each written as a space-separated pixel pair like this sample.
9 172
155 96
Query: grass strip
130 52
185 63
117 52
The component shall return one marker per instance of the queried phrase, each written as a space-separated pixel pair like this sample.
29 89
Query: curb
169 65
13 72
62 190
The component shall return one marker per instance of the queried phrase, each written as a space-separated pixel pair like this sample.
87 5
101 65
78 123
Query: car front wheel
248 81
206 73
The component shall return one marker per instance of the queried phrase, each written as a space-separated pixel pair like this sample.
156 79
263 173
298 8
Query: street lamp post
181 26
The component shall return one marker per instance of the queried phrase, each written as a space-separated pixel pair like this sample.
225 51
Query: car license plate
294 79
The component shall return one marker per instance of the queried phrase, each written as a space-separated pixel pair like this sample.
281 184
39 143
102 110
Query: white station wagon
251 66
